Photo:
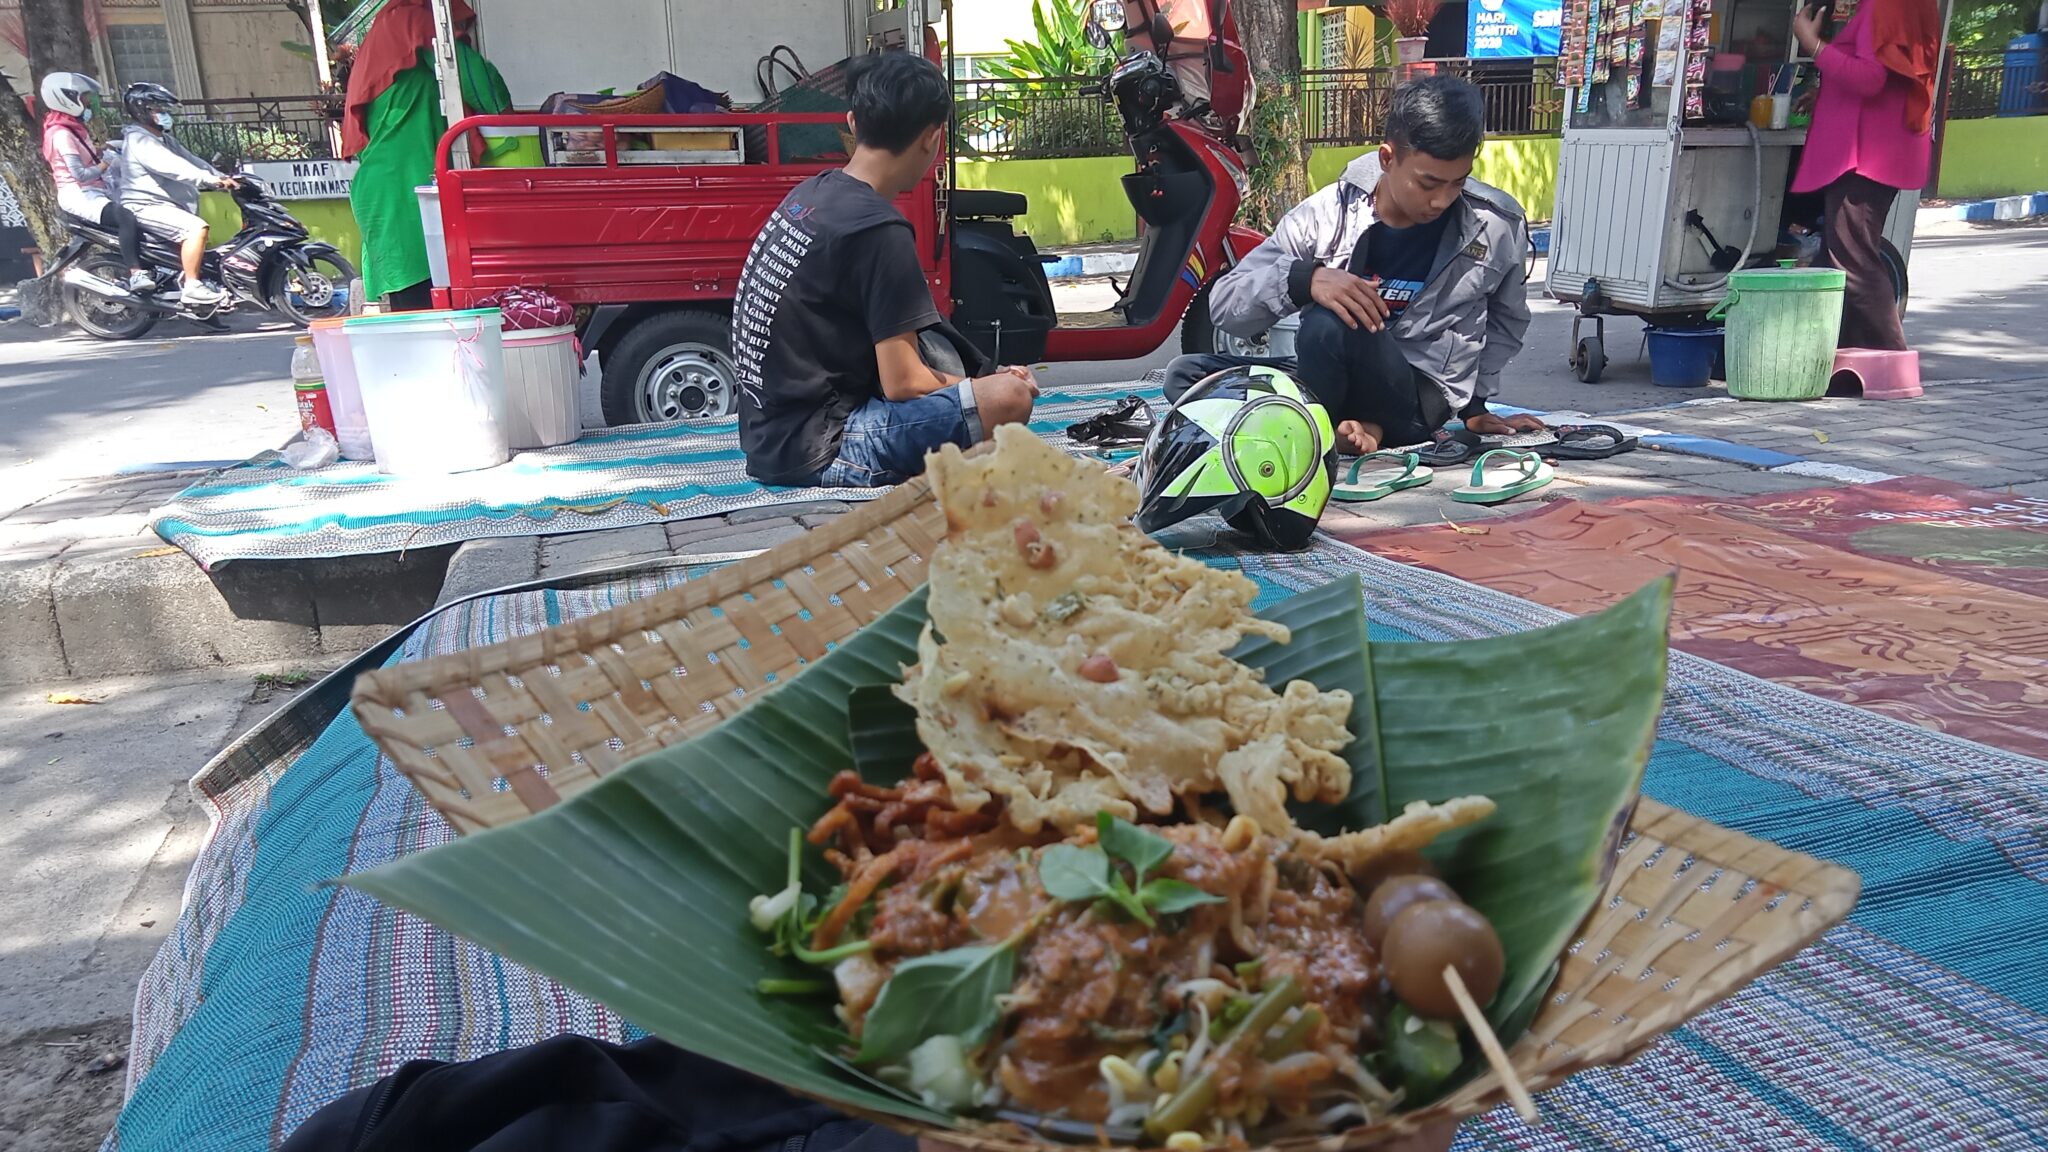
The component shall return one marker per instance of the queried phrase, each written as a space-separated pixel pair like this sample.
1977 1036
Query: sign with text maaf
1500 28
304 179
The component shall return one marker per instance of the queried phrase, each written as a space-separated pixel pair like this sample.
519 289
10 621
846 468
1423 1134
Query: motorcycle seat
988 204
91 228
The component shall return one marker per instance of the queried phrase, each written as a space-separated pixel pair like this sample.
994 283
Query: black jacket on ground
575 1093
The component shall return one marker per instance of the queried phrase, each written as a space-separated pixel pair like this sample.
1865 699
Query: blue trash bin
1683 357
2021 90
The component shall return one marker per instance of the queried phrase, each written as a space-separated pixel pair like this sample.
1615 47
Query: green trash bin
1782 327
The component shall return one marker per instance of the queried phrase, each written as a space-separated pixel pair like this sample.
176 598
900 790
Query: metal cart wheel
1589 353
1589 359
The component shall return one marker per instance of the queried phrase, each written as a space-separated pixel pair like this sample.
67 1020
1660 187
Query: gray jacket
159 170
1464 326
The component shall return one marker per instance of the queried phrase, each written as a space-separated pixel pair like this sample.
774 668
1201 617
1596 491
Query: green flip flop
1381 483
1503 474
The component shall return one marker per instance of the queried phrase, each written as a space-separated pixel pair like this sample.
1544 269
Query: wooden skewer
1490 1045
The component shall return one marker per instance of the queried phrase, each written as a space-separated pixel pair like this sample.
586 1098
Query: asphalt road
73 407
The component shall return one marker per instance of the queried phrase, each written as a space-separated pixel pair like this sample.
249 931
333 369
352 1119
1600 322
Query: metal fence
1047 118
261 128
1349 106
1986 84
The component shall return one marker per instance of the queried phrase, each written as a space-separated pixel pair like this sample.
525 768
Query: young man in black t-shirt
833 389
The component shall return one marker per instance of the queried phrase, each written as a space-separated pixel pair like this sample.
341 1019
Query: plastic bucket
338 365
511 147
542 371
437 239
1782 328
433 387
1683 357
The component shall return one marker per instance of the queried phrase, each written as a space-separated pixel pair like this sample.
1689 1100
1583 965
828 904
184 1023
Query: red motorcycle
1184 92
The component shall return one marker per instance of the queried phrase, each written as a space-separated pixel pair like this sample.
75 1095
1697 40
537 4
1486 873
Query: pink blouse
1859 118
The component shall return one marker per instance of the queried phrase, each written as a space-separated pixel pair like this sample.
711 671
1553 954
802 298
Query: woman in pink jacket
1870 138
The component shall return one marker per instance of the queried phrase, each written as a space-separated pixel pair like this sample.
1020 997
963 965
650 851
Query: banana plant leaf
635 892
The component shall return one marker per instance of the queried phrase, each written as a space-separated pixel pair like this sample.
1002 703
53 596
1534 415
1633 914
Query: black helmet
1248 444
141 101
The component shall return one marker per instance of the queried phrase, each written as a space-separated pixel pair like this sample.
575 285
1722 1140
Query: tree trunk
21 164
57 39
1280 170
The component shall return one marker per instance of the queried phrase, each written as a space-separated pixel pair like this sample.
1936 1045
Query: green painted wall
1072 201
2002 156
1523 166
1082 201
329 220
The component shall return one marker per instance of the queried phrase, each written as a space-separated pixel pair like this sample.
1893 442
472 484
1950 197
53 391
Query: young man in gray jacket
1410 278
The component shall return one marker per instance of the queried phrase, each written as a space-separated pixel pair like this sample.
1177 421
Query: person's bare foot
1358 438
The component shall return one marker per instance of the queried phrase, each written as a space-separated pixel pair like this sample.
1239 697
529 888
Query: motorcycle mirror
1097 36
1107 15
1161 32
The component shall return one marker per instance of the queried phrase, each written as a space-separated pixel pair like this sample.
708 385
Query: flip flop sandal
1451 448
1522 441
1589 442
1503 474
1382 482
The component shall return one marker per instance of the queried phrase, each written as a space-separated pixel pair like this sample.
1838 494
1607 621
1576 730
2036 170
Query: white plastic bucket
437 237
338 367
542 371
433 386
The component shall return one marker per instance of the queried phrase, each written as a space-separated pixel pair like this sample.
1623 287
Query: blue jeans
885 441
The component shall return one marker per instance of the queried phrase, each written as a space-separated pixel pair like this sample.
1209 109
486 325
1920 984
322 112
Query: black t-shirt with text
1400 257
833 273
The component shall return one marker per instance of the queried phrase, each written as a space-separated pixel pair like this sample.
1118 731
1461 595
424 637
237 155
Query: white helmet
69 92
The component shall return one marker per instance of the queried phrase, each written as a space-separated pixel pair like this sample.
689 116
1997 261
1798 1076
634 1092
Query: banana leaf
635 891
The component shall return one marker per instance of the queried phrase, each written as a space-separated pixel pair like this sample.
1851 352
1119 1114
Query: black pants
1854 235
412 298
1353 373
120 219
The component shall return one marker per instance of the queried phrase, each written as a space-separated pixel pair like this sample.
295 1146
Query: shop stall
1684 121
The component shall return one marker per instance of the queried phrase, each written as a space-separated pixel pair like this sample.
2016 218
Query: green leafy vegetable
944 994
1424 1053
1074 874
1133 845
1167 896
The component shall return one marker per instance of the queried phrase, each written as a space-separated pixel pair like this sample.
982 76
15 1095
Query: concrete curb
2024 207
1089 264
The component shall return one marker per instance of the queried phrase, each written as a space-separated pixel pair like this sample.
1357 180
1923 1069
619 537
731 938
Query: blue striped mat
263 509
1921 1024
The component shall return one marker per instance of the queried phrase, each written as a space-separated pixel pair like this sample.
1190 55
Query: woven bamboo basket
1691 913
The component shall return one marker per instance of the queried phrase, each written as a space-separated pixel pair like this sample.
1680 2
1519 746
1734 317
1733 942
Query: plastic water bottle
309 386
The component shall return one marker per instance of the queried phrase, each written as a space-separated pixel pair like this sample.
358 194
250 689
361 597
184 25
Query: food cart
1684 121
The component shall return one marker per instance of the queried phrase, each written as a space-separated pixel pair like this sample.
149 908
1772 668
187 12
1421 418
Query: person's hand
1806 30
1355 301
1489 424
1022 373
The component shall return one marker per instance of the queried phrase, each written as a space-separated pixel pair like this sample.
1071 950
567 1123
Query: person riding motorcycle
161 182
78 172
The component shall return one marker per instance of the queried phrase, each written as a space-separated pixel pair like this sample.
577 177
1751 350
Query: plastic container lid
415 317
1788 280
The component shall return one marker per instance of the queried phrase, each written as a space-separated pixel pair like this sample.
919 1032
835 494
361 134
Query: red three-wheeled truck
648 241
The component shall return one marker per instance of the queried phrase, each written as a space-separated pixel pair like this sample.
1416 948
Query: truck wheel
672 366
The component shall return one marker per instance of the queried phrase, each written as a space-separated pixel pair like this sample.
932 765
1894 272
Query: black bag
572 1092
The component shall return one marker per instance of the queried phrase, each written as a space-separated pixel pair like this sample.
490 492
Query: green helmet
1248 444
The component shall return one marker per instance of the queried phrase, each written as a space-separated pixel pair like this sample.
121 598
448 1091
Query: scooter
1183 92
271 264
